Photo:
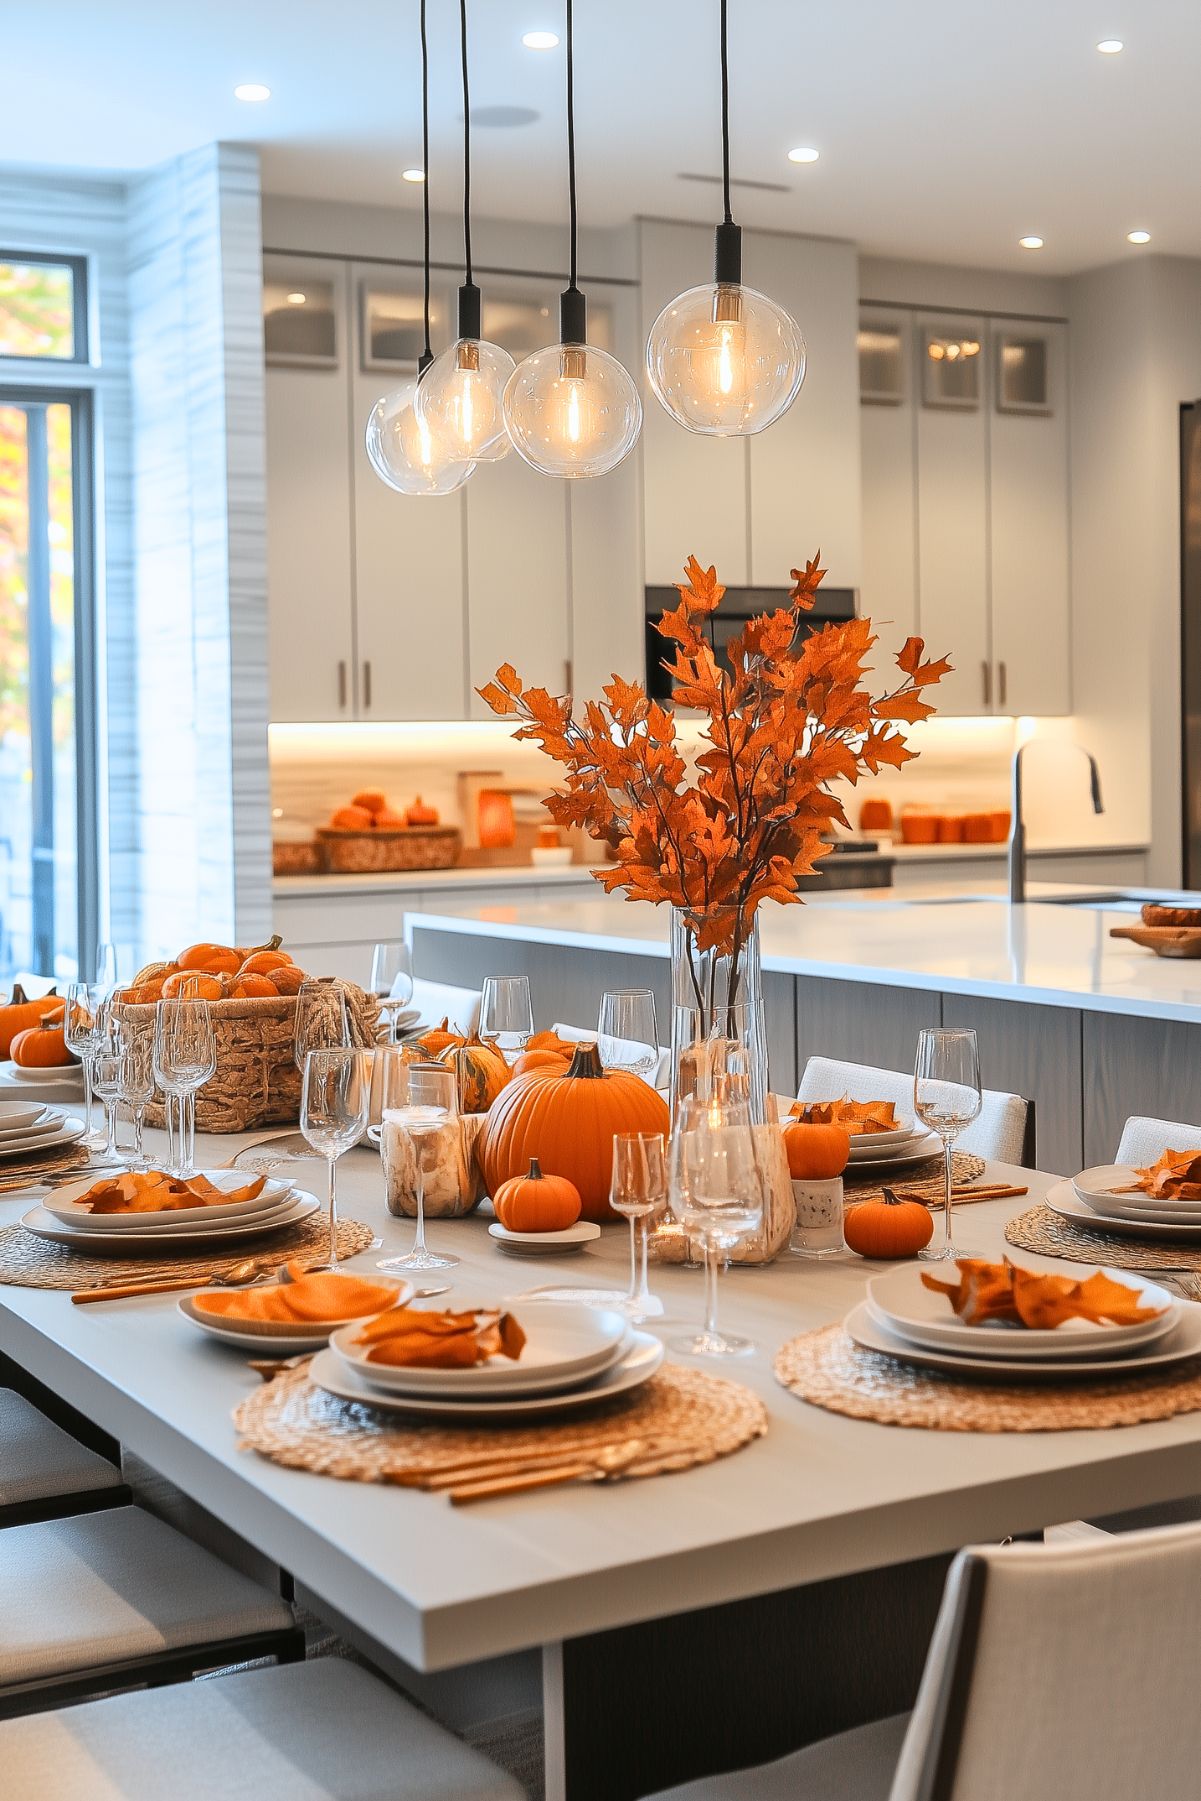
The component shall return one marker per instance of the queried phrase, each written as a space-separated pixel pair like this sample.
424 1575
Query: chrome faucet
1017 829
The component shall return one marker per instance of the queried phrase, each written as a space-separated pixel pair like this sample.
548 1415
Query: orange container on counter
1001 822
950 828
876 816
919 828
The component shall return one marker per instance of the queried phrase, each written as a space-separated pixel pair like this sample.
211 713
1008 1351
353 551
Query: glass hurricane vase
717 998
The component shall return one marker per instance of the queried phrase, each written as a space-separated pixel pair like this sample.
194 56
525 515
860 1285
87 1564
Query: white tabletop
821 1495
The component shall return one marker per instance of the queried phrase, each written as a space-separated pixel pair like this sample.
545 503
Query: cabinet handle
986 676
367 684
342 685
1003 683
568 675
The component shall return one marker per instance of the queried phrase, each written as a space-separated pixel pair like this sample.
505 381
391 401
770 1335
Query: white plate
17 1116
67 1132
1063 1199
544 1244
928 1145
50 1120
1103 1181
167 1232
273 1336
565 1345
902 1303
1183 1342
639 1363
63 1204
1168 1213
66 1074
886 1141
299 1206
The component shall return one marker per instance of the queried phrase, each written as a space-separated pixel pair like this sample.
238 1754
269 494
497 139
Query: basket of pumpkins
369 836
31 1031
252 1002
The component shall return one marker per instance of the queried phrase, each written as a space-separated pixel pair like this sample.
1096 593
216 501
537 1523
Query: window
43 307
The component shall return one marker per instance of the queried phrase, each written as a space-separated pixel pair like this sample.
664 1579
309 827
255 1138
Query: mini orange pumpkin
264 963
21 1013
194 985
40 1047
388 820
888 1228
537 1203
544 1060
351 819
480 1071
210 959
816 1153
420 814
253 987
287 979
372 800
440 1038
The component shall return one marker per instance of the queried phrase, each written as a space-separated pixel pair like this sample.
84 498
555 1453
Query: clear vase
717 999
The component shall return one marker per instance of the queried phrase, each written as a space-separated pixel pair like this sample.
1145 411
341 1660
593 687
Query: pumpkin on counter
816 1153
351 819
419 814
480 1072
20 1013
537 1203
372 800
40 1047
888 1228
569 1122
388 820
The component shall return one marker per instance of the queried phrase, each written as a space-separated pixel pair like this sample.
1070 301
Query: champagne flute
716 1193
322 1018
106 1079
392 978
185 1056
418 1101
81 1032
627 1032
946 1097
639 1190
506 1014
136 1087
335 1104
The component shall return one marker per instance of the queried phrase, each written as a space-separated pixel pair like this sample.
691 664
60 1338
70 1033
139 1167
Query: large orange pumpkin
544 1060
40 1047
888 1228
569 1122
537 1203
480 1071
21 1013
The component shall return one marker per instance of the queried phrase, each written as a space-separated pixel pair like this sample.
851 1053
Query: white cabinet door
309 530
888 446
695 489
952 522
804 479
518 577
1030 519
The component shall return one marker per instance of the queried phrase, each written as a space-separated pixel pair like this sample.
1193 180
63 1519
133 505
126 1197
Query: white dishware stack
1104 1199
61 1218
27 1128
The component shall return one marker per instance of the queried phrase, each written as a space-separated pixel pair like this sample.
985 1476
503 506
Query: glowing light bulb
724 360
461 400
404 453
572 411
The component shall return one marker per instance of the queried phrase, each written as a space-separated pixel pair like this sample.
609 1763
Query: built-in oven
739 605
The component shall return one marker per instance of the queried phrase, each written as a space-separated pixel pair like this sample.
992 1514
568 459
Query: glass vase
717 1000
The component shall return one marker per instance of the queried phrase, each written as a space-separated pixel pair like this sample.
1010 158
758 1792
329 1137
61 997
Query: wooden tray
1165 941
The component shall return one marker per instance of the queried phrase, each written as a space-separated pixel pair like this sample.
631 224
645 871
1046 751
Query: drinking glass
417 1100
946 1098
506 1014
627 1033
185 1056
639 1190
106 1078
81 1031
392 979
335 1104
136 1087
322 1018
716 1193
106 964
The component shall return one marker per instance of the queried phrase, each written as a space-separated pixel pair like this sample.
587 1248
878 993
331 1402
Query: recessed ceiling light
540 40
1031 243
1138 237
803 154
251 90
412 175
297 299
1111 46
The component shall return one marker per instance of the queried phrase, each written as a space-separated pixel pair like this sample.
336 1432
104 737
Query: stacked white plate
904 1319
27 1127
1094 1200
63 1081
63 1221
283 1338
909 1143
573 1356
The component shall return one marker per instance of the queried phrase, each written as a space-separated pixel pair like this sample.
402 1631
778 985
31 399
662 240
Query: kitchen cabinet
888 447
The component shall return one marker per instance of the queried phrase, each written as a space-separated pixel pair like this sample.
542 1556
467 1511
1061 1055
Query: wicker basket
302 858
257 1082
410 847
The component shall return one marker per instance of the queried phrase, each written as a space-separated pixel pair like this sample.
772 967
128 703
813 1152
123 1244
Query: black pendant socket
727 255
469 310
573 317
423 362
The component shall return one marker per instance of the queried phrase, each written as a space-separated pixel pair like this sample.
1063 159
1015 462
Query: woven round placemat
1040 1229
828 1368
60 1160
27 1261
687 1417
926 1177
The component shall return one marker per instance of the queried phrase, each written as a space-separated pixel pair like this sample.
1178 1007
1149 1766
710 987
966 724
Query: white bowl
15 1114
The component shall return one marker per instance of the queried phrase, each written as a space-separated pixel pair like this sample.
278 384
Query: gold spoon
239 1275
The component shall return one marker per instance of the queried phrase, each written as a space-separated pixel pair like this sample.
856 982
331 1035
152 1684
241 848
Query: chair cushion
998 1130
38 1460
322 1731
101 1588
853 1766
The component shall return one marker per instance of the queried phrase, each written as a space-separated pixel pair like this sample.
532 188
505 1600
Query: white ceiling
947 128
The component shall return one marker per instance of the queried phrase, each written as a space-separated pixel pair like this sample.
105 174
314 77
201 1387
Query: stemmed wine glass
639 1190
335 1103
81 1032
106 1078
506 1014
627 1032
106 964
185 1056
136 1087
322 1018
418 1100
716 1193
946 1097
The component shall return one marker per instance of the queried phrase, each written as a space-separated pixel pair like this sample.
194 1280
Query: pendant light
724 360
401 447
460 396
572 410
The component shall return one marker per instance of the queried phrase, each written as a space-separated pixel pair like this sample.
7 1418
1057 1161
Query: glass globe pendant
402 450
572 410
460 397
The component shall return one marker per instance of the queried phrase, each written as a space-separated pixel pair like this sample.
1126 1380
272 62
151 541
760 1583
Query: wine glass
185 1056
716 1193
81 1032
335 1104
106 964
418 1100
322 1018
136 1087
106 1078
392 978
946 1097
639 1190
506 1015
627 1033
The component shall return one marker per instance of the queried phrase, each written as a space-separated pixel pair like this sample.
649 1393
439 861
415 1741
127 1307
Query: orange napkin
324 1295
153 1191
1176 1176
854 1117
433 1340
1023 1297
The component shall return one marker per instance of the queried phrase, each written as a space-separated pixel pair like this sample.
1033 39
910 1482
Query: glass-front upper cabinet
883 345
392 324
300 314
1023 370
523 315
953 364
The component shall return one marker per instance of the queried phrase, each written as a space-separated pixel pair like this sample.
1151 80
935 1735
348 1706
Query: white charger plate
63 1204
280 1336
565 1345
167 1233
638 1364
67 1132
901 1303
886 1141
544 1244
299 1206
1062 1198
21 1116
1183 1342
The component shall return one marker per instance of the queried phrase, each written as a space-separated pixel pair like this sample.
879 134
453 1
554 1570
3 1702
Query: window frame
80 301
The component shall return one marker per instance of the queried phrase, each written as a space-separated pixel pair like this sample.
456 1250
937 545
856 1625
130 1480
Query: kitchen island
1089 1027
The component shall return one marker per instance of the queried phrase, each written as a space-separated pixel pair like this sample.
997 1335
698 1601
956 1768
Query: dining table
670 1625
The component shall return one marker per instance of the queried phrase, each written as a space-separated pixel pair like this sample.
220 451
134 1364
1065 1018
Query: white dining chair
1057 1672
657 1077
440 1000
1003 1131
1143 1139
44 1472
325 1731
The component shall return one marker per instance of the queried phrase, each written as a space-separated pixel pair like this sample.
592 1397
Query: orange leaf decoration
153 1191
433 1340
855 1117
1174 1176
1023 1297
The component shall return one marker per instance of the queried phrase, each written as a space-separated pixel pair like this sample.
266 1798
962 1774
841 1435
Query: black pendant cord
470 305
573 313
427 355
727 255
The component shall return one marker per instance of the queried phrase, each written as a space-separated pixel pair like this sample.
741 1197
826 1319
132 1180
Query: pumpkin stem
18 997
891 1199
535 1174
586 1062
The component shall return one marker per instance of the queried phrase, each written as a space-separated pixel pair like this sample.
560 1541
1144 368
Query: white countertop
1059 956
